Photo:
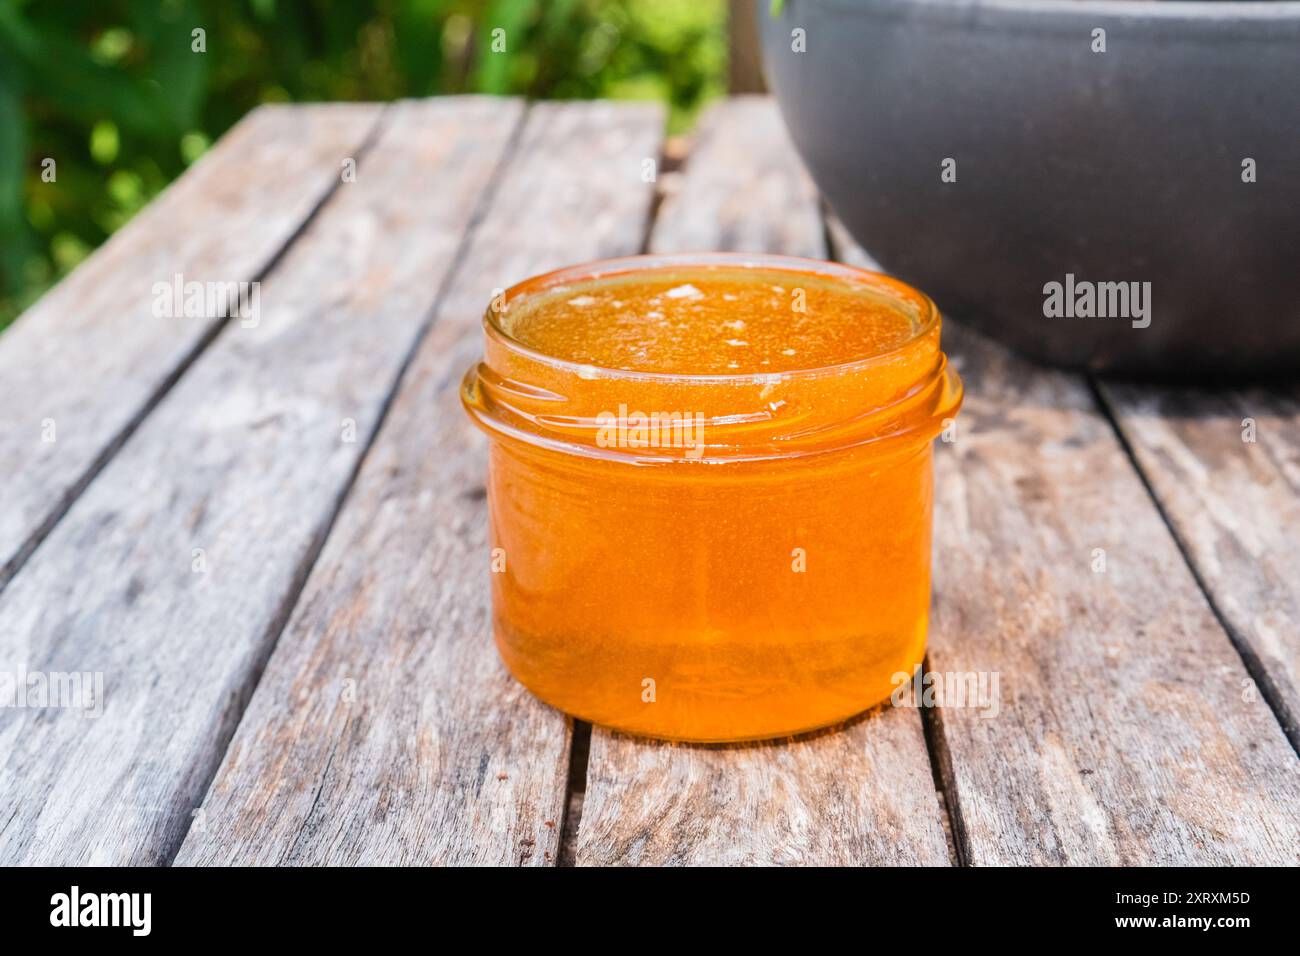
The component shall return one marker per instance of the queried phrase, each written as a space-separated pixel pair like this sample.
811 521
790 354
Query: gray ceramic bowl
1123 166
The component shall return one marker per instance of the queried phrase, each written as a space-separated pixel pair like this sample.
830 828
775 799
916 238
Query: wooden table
270 538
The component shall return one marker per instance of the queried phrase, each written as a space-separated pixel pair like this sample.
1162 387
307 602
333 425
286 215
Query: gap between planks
580 737
842 248
862 794
1161 779
1270 689
668 181
441 756
249 421
292 597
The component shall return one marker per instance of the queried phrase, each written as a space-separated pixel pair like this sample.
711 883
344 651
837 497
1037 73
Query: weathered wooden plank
436 755
1226 467
863 794
1124 733
246 460
81 366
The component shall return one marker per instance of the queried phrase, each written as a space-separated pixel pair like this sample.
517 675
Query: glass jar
711 556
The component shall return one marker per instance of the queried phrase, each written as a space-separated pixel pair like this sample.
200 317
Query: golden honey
710 489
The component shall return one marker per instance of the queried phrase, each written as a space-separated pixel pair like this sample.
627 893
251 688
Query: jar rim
626 265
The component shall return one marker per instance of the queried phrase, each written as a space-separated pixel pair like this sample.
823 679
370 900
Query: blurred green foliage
114 93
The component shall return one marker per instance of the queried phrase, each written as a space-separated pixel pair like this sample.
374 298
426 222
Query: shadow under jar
710 489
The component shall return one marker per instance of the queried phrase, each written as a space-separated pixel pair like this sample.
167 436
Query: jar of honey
709 488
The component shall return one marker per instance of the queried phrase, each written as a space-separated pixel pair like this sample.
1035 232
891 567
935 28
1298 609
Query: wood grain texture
90 356
1127 730
863 794
1234 504
744 188
246 459
437 755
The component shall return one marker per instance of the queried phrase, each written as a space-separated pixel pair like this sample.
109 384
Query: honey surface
711 322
